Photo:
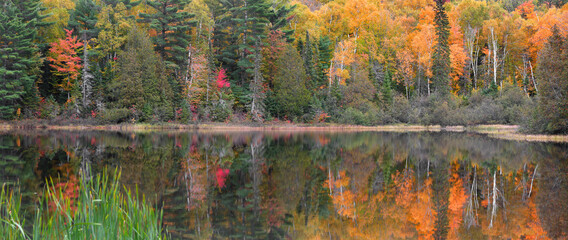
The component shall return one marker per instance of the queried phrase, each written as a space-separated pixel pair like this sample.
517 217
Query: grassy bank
212 126
509 132
97 209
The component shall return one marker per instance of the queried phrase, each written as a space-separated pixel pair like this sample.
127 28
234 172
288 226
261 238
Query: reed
102 210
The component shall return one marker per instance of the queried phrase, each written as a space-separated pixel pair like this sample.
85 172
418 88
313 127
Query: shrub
115 115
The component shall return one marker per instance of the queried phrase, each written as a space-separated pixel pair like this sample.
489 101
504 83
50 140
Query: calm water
276 185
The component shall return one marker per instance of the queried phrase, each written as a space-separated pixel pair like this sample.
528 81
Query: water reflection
272 185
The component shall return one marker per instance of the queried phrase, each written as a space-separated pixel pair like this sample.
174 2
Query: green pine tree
172 27
140 83
31 13
239 25
84 18
292 94
172 40
242 22
386 90
552 73
441 55
278 20
324 60
18 60
308 57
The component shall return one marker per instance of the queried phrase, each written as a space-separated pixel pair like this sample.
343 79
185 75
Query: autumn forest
364 62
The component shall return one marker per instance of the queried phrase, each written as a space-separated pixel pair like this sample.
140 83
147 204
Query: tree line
356 62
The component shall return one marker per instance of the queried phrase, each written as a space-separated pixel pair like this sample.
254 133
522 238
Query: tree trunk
494 204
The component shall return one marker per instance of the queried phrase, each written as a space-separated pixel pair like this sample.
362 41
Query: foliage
66 62
481 52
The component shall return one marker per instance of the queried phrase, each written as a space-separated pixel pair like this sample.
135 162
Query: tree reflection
275 185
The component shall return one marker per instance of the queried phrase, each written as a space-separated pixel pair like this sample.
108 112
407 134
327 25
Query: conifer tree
84 18
386 90
307 55
31 13
292 94
172 40
172 28
552 73
324 60
441 56
279 19
19 57
140 83
241 22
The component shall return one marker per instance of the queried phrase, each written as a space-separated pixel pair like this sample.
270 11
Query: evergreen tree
172 40
172 28
552 73
127 3
84 18
386 90
290 84
140 82
240 24
278 20
324 60
440 186
19 58
31 13
441 56
308 57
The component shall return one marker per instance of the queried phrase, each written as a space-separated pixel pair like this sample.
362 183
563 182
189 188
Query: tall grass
100 211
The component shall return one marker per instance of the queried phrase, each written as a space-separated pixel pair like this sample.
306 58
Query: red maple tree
221 79
221 176
65 61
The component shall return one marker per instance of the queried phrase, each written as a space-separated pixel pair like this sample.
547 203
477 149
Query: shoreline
506 132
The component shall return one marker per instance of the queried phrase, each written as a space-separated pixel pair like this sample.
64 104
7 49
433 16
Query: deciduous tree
64 58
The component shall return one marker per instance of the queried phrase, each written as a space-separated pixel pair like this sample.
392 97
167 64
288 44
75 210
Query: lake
312 185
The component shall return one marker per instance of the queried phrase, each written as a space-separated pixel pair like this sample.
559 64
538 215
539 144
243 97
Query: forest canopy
361 62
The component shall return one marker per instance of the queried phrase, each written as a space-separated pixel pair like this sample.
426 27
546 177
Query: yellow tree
405 69
471 15
343 57
456 202
422 212
342 197
543 28
304 19
423 40
114 24
59 10
458 58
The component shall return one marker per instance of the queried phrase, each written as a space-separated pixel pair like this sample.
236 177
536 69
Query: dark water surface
324 185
